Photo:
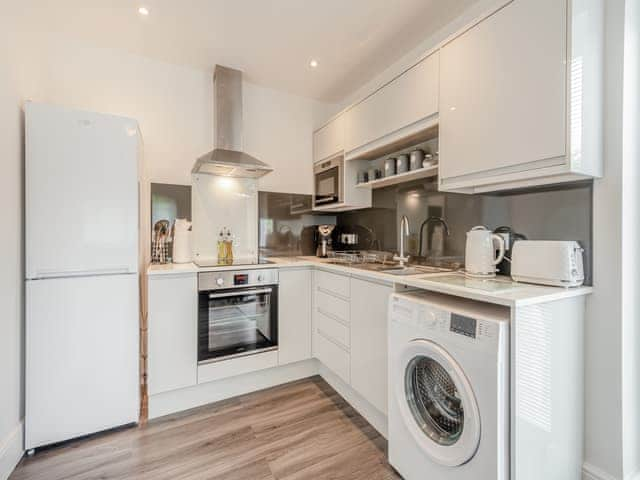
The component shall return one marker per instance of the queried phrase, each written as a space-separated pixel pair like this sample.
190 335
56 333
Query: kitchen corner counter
519 296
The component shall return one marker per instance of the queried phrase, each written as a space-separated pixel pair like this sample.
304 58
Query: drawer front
232 367
330 282
332 356
333 330
332 306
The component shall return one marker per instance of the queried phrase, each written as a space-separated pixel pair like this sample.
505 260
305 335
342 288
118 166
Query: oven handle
332 198
240 292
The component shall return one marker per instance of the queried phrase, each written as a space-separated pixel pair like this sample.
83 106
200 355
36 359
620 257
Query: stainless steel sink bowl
399 270
403 271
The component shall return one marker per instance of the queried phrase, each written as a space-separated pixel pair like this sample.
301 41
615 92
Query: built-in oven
237 313
328 181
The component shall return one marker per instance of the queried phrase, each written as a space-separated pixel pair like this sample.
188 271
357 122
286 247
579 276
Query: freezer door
81 192
81 356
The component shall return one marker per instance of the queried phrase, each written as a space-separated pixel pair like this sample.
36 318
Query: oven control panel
236 279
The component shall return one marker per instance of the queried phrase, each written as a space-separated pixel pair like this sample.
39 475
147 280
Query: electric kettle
480 252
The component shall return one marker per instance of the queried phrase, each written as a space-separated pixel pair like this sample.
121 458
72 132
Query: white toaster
547 263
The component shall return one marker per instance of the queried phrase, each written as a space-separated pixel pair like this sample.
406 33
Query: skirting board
11 451
374 416
178 400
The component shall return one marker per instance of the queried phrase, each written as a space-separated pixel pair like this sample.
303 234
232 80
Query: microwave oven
328 181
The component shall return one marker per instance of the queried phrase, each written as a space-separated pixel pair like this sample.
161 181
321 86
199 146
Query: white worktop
522 294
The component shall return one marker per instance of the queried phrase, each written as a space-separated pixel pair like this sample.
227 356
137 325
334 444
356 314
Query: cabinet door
503 91
329 140
409 98
172 332
294 316
369 341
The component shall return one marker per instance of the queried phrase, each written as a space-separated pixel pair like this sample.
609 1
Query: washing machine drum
437 403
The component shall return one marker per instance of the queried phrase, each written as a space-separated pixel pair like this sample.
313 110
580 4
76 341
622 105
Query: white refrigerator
81 264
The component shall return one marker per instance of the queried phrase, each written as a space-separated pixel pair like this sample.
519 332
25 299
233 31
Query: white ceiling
272 41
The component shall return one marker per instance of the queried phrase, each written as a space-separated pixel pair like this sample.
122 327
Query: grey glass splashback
554 213
558 213
286 224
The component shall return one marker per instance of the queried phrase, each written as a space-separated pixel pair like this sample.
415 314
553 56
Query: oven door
328 182
237 322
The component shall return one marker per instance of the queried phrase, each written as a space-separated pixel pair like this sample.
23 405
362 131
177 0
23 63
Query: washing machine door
437 403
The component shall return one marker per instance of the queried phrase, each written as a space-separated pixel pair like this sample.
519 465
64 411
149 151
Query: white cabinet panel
330 338
172 332
332 283
294 316
407 99
82 355
369 341
333 329
503 99
332 306
329 140
332 355
81 194
210 372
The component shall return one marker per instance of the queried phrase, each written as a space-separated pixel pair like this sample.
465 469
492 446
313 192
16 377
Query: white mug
480 253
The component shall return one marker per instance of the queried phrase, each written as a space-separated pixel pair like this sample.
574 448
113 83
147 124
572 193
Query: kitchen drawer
232 367
333 329
331 283
332 306
332 356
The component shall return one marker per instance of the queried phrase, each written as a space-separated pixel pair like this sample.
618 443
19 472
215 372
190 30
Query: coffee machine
324 240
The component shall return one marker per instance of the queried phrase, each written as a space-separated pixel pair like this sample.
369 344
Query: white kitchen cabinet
369 303
172 332
294 316
395 110
331 330
329 139
520 98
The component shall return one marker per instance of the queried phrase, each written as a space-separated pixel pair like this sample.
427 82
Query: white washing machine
448 388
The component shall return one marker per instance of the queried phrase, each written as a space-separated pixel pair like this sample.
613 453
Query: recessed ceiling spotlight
313 63
143 11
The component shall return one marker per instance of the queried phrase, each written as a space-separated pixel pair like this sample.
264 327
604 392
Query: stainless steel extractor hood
227 157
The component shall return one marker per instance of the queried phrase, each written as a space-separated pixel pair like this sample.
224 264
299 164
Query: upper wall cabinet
329 140
398 110
520 98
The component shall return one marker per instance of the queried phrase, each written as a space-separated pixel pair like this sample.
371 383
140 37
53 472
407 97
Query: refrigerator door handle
83 273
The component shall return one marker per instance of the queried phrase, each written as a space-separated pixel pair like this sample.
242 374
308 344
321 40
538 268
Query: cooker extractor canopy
228 158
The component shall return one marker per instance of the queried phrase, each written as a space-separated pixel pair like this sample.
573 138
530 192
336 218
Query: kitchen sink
403 271
414 270
399 270
380 262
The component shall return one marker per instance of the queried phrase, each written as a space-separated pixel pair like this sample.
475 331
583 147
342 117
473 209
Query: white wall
11 273
603 362
630 242
174 106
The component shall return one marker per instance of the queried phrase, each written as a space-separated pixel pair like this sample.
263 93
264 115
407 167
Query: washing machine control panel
463 325
427 317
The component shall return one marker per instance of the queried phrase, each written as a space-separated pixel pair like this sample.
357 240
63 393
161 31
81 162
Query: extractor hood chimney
227 158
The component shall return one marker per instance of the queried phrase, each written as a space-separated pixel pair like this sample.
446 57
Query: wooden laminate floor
301 430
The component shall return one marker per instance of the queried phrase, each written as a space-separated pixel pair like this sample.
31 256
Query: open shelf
420 132
401 177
